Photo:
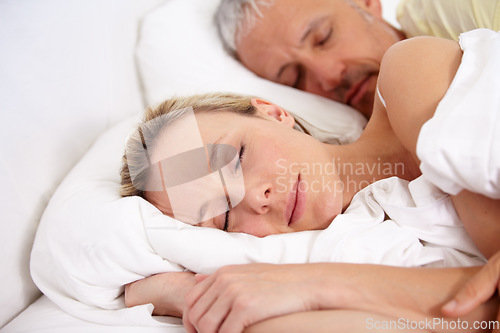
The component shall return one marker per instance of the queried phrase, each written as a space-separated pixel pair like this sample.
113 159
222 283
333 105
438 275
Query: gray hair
235 18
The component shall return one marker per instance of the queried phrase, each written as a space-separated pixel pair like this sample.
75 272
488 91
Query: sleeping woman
259 175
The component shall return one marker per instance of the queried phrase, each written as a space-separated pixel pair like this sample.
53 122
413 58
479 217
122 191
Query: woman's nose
259 198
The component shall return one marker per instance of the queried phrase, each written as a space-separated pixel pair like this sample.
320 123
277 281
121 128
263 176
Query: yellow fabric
447 18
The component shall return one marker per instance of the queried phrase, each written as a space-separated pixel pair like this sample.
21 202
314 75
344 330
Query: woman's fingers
202 283
212 319
187 324
200 277
206 304
237 296
477 290
234 321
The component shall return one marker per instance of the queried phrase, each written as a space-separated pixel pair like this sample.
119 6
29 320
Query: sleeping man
333 48
422 120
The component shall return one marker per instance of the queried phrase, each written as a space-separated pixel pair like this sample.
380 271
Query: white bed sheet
43 316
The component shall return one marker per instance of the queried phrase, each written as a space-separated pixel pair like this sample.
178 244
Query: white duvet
456 155
91 242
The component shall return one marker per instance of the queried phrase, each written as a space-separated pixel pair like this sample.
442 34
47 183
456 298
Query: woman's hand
235 297
166 291
476 291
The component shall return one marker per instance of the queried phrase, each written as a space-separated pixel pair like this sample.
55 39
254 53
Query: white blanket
460 146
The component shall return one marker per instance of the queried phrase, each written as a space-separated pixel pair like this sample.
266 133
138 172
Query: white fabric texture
43 316
91 242
459 147
173 63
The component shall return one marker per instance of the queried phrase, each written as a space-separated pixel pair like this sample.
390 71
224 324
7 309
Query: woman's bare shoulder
414 76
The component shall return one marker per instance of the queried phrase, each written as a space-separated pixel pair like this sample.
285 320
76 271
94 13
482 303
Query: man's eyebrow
313 25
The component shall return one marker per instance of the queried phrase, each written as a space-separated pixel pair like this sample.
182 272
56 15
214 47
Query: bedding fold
459 147
90 242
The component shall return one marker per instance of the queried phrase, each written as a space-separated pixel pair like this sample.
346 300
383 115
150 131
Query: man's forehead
281 30
265 47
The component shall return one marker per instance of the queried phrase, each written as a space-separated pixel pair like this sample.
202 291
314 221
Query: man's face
331 48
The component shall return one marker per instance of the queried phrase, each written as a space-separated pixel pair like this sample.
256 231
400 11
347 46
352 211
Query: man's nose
323 71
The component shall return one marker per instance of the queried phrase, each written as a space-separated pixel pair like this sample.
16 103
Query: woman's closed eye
241 152
226 222
237 169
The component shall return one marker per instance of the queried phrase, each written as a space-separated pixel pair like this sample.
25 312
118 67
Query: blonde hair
166 112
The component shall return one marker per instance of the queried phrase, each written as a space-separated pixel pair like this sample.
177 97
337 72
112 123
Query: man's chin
365 106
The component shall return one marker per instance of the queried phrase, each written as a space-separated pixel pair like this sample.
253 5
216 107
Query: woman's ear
272 110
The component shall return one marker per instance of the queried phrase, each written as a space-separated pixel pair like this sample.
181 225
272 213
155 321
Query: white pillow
90 242
179 53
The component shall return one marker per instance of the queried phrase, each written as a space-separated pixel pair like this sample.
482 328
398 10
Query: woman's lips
295 204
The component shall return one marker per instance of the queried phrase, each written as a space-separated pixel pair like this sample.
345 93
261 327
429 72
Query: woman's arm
336 321
237 296
481 218
166 291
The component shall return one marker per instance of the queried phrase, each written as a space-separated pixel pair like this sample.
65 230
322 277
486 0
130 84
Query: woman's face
290 183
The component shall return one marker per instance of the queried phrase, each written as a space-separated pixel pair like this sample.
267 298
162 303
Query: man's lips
295 204
353 96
